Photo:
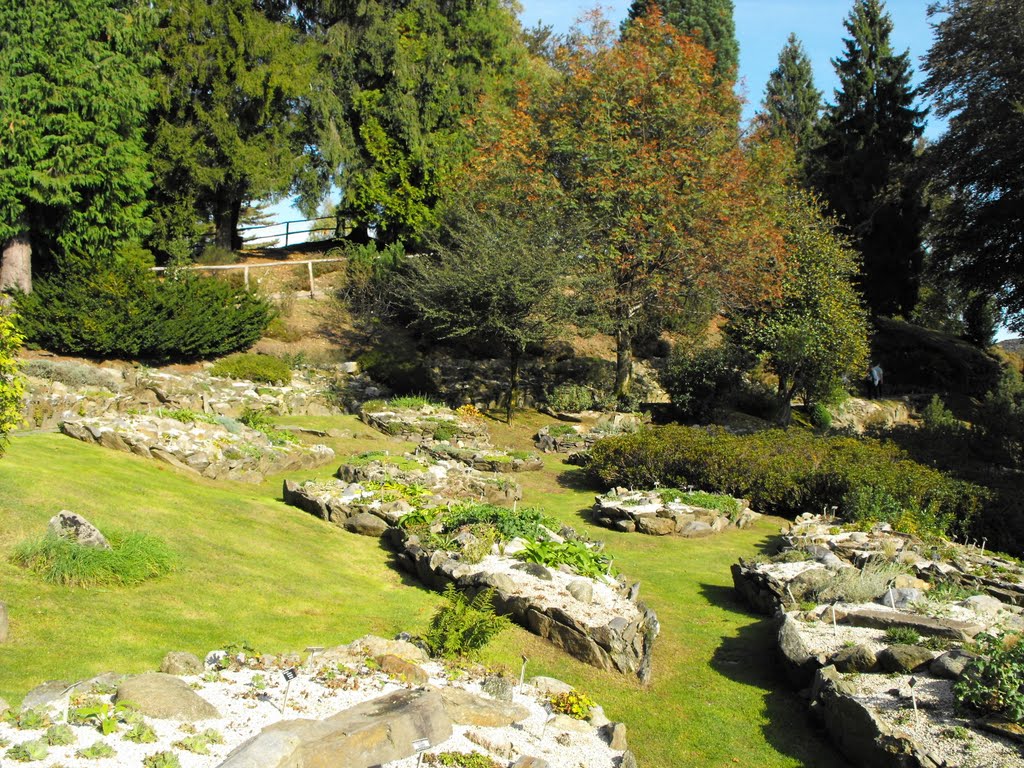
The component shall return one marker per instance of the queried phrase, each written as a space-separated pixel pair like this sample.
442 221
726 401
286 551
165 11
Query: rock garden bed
586 429
669 511
486 460
60 390
372 702
557 585
418 420
889 632
215 447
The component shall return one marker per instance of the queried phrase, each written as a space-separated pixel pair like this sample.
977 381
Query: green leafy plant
200 742
59 735
524 522
98 751
412 402
132 559
992 682
28 719
260 421
105 716
164 759
584 559
575 704
460 760
265 369
902 636
140 733
562 430
716 501
570 398
462 627
28 751
446 431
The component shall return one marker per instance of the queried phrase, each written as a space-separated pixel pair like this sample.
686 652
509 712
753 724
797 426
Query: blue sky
762 27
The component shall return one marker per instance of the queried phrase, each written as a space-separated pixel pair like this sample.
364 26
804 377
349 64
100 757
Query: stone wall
647 512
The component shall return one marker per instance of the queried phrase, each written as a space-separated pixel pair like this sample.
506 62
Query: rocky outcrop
448 479
214 447
379 731
613 632
585 429
427 423
485 460
61 390
665 512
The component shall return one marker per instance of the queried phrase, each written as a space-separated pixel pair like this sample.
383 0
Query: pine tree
976 80
713 19
233 79
792 105
73 100
404 78
865 164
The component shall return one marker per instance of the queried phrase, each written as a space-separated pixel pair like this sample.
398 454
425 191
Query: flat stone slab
165 697
466 708
925 625
379 731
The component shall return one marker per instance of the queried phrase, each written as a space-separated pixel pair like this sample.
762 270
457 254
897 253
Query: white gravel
246 709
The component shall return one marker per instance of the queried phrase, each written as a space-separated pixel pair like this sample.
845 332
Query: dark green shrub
132 559
992 682
403 372
788 472
462 627
570 398
821 417
445 431
938 418
119 308
265 369
698 380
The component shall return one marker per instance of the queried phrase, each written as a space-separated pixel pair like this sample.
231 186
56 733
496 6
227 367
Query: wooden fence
246 267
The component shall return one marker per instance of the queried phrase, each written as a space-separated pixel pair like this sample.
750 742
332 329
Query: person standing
875 377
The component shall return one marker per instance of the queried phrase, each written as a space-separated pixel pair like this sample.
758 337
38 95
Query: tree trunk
16 265
513 384
623 362
226 212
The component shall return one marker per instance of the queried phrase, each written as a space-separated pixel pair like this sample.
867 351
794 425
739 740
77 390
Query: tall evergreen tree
976 79
234 76
713 19
865 164
792 105
73 100
404 76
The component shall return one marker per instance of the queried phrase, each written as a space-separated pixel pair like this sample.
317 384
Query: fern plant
462 627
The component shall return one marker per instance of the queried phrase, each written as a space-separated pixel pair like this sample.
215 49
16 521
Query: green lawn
254 569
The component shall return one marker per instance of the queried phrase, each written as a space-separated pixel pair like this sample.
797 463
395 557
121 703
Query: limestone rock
549 686
69 525
371 645
165 697
858 658
181 663
372 733
465 708
365 524
925 625
951 664
498 687
534 569
496 744
402 669
654 525
628 760
582 590
696 529
530 762
797 660
566 723
44 694
616 735
904 658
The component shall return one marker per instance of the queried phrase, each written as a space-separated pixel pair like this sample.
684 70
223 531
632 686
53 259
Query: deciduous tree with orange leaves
643 146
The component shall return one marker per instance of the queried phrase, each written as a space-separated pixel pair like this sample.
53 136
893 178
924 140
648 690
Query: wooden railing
246 267
288 230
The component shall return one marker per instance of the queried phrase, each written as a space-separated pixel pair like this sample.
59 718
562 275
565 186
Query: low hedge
265 369
788 472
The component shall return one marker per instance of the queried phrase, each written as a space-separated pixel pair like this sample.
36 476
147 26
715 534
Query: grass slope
254 569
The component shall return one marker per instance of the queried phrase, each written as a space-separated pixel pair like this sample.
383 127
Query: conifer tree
712 18
233 79
73 100
976 80
864 165
792 105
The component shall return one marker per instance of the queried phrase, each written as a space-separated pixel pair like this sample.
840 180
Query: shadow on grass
576 480
750 658
407 579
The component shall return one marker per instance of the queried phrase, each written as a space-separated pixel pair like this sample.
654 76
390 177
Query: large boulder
165 697
72 526
45 694
905 658
379 731
365 524
951 664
